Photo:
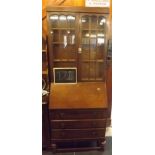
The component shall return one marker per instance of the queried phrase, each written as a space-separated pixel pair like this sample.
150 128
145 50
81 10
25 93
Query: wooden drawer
78 124
77 114
78 133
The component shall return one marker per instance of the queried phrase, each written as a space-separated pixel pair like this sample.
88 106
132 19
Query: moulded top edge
79 9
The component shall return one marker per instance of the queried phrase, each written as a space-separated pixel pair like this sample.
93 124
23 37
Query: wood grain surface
78 96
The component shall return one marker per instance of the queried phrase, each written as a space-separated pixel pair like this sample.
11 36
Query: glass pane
85 44
99 70
100 41
85 37
70 52
85 71
71 21
92 71
61 53
58 50
100 45
93 22
93 45
54 21
55 35
100 52
85 22
63 37
71 37
62 21
101 22
100 34
67 37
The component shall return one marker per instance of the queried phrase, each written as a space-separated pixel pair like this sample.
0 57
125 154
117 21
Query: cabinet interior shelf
61 43
87 29
63 28
73 60
99 60
64 60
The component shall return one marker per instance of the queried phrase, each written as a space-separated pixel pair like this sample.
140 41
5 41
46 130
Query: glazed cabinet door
78 40
92 47
63 41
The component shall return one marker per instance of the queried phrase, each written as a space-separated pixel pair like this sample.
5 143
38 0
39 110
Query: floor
107 151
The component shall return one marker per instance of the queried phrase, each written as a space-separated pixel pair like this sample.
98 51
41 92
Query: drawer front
77 114
78 124
73 134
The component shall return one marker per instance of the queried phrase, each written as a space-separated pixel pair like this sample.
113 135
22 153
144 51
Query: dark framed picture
65 75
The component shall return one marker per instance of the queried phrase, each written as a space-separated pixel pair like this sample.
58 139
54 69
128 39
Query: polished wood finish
66 2
77 133
77 118
73 124
82 113
83 95
78 9
75 3
78 112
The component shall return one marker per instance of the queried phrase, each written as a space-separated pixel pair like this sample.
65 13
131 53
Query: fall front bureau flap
86 95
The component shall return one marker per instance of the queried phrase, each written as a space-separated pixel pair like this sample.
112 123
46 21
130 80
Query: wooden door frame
50 40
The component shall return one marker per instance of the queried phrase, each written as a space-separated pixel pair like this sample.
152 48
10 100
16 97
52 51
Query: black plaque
65 75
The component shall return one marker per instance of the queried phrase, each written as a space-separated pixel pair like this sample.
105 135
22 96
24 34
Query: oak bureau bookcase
77 40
